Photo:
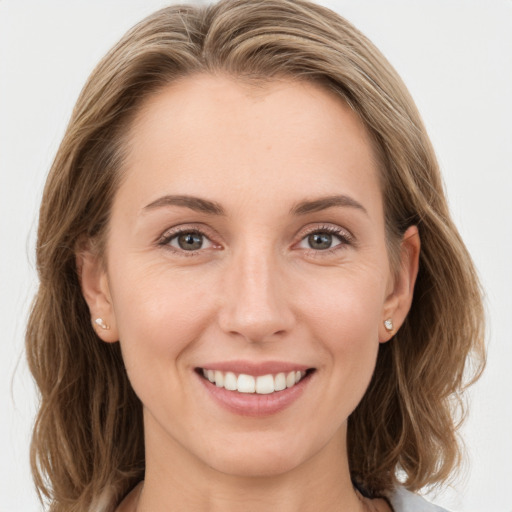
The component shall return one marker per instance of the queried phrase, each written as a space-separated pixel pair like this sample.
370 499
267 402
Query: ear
96 291
399 300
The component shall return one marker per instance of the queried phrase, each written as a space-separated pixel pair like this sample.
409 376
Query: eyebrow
214 208
323 203
191 202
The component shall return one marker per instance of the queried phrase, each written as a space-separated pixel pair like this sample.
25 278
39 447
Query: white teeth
265 384
280 382
219 379
262 385
246 383
230 381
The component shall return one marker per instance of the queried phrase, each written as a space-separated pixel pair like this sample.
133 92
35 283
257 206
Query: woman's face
247 238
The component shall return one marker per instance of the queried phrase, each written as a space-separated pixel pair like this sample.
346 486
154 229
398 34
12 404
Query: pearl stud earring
388 324
101 323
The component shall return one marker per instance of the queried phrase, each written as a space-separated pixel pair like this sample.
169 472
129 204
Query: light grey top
404 501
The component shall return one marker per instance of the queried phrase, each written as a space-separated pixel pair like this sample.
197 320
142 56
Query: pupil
190 241
320 241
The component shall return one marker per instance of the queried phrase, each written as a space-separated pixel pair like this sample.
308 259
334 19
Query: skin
256 290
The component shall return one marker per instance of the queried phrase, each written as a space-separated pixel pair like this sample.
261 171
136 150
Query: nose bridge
256 305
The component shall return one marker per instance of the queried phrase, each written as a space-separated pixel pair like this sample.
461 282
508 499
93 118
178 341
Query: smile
256 389
261 385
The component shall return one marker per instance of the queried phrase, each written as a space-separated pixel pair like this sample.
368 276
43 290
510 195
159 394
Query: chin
255 468
258 459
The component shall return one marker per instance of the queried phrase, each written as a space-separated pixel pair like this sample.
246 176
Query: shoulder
404 501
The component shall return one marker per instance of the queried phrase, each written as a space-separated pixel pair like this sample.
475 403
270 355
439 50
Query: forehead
207 135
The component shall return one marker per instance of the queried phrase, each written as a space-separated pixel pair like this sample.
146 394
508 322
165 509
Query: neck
176 480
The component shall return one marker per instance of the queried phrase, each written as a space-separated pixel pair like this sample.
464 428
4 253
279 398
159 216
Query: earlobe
96 291
399 301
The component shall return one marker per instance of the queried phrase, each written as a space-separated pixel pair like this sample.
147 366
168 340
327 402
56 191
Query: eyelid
173 241
345 236
164 239
328 228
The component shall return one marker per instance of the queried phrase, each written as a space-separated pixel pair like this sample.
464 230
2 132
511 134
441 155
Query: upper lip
255 368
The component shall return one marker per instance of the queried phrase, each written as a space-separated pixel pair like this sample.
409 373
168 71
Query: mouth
269 384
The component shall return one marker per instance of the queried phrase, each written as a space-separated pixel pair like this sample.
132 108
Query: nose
255 297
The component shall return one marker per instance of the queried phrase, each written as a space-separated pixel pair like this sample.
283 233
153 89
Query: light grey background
456 58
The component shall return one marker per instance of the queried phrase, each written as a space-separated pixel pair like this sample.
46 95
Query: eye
187 241
320 241
324 239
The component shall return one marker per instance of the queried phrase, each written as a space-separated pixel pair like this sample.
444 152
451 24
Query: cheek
343 317
159 316
346 303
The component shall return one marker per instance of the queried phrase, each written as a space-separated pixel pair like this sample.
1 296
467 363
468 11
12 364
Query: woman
251 291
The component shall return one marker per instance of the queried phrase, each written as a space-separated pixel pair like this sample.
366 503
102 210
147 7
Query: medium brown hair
88 435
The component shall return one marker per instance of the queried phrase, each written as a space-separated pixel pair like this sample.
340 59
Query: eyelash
167 237
345 238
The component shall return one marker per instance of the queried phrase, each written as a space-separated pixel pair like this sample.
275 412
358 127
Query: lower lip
254 404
